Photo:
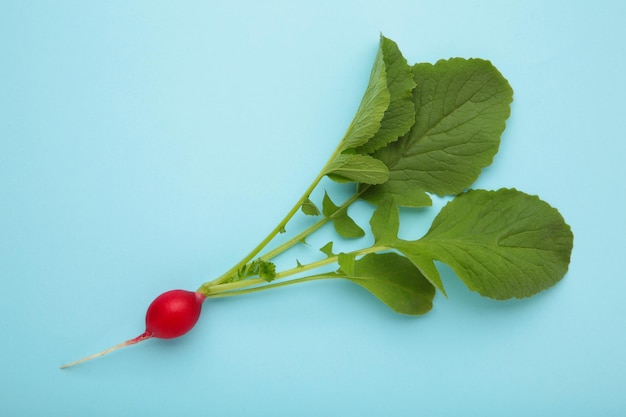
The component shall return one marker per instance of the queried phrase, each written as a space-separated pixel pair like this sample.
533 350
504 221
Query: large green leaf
400 115
373 105
502 244
386 113
394 280
461 109
363 169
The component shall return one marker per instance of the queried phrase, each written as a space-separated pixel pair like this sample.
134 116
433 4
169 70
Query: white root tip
137 339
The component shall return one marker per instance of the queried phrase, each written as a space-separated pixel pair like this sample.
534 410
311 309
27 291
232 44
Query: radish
408 141
170 315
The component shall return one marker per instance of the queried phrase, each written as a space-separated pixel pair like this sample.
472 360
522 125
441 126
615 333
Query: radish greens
420 131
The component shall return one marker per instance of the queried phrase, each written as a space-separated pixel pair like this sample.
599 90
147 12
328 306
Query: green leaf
385 223
346 262
357 168
267 271
343 223
409 193
259 267
394 280
461 108
373 105
309 208
327 249
414 252
329 209
502 244
400 115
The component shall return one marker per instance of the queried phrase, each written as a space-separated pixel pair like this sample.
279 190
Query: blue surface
146 146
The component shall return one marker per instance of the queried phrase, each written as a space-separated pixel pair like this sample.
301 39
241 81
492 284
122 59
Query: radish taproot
170 315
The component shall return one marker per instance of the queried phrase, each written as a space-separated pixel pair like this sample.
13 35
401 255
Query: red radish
170 315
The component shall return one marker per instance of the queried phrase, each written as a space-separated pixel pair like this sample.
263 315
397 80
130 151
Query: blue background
148 145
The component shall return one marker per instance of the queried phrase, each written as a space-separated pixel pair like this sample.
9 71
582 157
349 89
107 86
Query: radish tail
140 338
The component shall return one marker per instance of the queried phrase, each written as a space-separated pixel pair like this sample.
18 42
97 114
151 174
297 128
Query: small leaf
357 168
328 207
267 271
346 263
309 208
385 223
346 227
502 244
400 115
327 249
394 280
461 108
422 261
343 223
261 268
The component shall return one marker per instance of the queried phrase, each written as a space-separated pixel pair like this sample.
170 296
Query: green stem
280 227
210 289
301 236
270 286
